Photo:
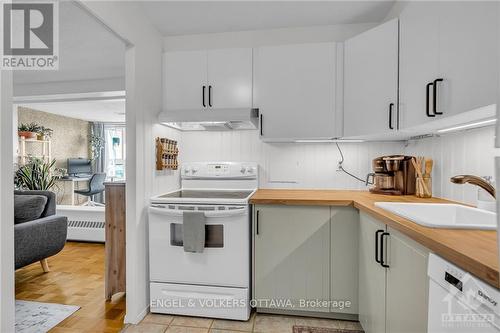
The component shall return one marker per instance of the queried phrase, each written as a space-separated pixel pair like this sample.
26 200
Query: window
115 151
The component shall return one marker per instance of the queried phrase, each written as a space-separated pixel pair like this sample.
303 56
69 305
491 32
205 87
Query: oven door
225 260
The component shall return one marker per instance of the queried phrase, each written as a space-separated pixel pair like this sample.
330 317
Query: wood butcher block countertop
472 250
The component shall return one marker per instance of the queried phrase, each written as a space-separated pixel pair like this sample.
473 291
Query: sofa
38 232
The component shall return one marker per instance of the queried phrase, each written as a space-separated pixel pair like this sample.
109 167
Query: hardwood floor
76 277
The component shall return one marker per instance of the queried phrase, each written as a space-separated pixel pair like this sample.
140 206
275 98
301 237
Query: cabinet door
292 255
185 74
407 285
230 78
371 81
468 56
344 259
295 90
371 278
419 46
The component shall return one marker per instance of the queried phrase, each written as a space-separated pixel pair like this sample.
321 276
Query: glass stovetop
207 194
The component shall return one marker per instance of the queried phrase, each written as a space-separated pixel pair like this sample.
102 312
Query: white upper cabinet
185 75
418 60
295 91
230 78
468 56
208 79
371 81
448 59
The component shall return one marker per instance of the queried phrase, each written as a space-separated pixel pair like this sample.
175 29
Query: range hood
211 119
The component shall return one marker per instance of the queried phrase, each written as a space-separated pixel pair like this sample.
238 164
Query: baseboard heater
85 223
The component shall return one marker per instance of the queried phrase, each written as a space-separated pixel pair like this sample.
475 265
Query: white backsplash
469 152
287 165
314 165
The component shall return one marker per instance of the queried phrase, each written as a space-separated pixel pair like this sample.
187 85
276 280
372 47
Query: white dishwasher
459 302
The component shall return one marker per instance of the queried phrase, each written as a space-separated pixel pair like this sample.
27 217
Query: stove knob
242 170
250 170
187 170
194 170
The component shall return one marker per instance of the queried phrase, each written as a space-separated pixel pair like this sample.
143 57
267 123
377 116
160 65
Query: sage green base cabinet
392 299
344 231
371 278
305 254
407 285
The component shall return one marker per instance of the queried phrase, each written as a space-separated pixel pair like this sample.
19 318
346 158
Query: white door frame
142 42
7 282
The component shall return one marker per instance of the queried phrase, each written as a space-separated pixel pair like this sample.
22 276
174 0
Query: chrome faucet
474 180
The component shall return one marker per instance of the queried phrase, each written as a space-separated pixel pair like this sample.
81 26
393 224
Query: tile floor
258 323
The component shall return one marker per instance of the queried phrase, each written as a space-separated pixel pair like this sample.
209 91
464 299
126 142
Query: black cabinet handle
261 122
390 116
427 93
384 264
257 223
203 96
435 97
210 96
376 245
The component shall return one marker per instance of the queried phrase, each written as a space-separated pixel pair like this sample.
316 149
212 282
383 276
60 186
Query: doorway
78 116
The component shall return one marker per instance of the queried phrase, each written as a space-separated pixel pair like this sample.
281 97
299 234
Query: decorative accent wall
70 137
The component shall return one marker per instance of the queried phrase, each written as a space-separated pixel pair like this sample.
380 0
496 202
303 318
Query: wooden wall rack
166 154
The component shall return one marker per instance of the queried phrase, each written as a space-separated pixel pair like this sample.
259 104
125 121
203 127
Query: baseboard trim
138 318
327 315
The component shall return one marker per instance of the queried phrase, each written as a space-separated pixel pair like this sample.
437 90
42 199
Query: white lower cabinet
304 259
393 285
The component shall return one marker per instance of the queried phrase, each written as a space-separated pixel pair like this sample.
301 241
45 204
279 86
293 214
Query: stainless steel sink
449 216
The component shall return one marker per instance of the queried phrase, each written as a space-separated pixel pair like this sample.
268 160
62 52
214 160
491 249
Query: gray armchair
38 232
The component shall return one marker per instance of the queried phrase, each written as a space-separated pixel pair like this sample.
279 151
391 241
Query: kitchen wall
70 138
287 165
165 180
293 165
467 152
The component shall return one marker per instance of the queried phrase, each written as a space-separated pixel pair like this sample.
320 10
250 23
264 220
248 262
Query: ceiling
100 111
173 18
87 50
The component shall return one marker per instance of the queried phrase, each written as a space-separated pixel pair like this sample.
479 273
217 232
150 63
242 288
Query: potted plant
44 133
37 174
28 131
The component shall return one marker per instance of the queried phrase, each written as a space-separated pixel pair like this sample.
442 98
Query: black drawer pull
427 93
210 96
203 96
435 97
261 122
376 245
390 116
257 223
382 262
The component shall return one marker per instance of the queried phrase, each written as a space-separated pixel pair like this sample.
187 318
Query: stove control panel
207 170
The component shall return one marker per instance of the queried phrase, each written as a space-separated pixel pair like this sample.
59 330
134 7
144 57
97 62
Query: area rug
36 317
308 329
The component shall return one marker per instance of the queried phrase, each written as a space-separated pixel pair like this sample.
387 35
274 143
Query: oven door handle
178 213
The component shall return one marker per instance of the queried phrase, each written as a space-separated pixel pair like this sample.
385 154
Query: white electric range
216 282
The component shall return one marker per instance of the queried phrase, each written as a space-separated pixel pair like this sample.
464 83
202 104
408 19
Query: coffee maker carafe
393 175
